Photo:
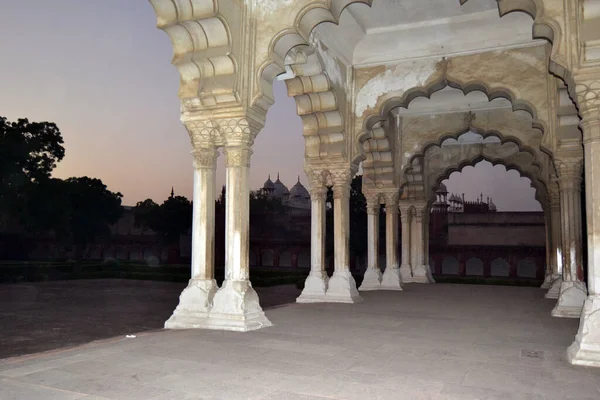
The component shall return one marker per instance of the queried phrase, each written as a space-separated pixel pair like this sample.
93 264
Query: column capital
238 130
203 133
569 173
237 156
391 201
587 91
404 211
373 202
205 157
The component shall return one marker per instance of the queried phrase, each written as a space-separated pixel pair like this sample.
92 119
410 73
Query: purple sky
101 71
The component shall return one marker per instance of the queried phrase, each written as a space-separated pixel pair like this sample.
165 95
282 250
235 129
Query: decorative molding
237 130
203 133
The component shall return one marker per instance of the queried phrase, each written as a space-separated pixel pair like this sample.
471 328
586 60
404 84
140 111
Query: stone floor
437 341
42 316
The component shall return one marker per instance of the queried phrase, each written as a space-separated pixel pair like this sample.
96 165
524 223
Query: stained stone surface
440 341
42 316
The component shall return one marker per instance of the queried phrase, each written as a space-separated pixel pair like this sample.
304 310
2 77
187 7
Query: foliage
78 210
29 151
169 220
261 203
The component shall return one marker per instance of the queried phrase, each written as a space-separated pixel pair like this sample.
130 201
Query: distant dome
442 189
280 189
299 191
269 185
492 206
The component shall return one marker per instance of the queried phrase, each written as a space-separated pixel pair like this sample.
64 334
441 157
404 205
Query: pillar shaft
237 213
420 270
341 287
405 220
236 306
203 219
317 281
585 350
196 299
372 278
391 279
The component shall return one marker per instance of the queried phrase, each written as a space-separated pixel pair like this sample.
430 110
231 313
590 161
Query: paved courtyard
428 342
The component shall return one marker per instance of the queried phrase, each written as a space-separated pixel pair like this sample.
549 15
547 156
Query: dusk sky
101 71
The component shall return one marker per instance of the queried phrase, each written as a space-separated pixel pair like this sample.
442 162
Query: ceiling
392 30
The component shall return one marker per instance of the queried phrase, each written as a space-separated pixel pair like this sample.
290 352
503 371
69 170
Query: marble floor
439 341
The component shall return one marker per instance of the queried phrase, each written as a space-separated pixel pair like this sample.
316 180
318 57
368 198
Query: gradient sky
100 69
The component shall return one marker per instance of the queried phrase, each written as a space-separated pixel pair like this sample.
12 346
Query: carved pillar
405 220
548 278
317 281
572 290
585 350
372 278
556 249
342 287
235 305
196 299
420 270
391 279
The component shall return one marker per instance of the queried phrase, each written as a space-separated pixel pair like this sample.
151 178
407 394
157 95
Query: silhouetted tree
78 210
29 151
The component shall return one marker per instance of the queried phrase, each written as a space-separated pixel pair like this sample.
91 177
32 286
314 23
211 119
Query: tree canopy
169 220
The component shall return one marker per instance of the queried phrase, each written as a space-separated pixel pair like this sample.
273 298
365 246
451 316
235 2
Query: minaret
172 192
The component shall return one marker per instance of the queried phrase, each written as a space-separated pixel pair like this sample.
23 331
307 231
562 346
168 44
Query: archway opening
486 225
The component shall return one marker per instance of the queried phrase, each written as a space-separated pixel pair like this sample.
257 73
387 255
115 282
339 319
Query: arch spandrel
519 75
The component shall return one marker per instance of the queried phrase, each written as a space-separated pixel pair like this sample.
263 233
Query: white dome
269 184
299 191
442 189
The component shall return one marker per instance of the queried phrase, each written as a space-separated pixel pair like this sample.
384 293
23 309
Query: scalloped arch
536 183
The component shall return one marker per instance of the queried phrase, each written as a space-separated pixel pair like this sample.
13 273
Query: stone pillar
548 275
316 284
421 271
556 250
372 279
235 305
196 299
572 289
405 220
585 350
342 287
391 279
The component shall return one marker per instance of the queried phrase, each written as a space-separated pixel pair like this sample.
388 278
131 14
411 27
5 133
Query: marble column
585 350
405 266
317 281
235 305
391 279
420 270
573 291
373 276
556 249
342 287
548 278
196 299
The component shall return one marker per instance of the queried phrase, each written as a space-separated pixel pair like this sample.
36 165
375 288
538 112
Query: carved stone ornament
404 213
588 98
237 130
205 158
391 201
373 200
569 173
237 157
203 133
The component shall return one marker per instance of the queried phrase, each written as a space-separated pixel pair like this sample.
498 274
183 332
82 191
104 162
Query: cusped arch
538 184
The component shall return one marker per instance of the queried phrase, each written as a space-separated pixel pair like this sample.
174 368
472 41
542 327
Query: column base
315 288
372 280
554 290
548 281
405 273
422 274
195 302
570 300
585 350
194 305
391 279
236 308
342 288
